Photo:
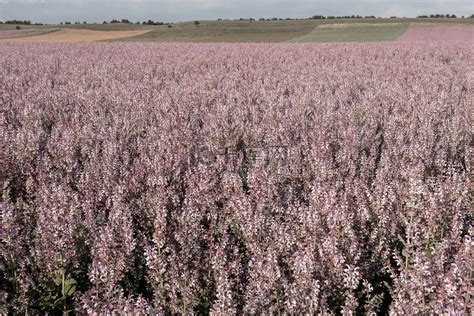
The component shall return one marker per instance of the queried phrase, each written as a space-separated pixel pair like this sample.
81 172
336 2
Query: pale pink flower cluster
236 179
439 33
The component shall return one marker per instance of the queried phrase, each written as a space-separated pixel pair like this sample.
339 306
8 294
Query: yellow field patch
78 35
351 25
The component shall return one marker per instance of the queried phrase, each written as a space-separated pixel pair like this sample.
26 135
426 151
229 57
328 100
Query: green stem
63 290
15 282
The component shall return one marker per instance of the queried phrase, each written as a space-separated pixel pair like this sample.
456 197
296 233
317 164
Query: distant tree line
322 17
26 22
127 21
333 17
452 16
20 22
68 23
122 21
150 22
314 17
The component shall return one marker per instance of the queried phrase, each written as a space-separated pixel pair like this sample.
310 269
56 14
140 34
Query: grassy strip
46 31
354 33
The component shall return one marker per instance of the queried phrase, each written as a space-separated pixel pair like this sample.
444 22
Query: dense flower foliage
439 33
246 178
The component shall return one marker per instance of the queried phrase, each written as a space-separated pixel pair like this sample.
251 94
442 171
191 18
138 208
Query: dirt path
77 35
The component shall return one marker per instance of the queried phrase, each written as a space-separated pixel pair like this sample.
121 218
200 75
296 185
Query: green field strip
354 33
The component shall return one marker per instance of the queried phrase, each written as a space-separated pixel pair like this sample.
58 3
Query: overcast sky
53 11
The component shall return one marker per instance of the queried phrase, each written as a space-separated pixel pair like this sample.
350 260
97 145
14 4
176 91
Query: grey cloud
52 11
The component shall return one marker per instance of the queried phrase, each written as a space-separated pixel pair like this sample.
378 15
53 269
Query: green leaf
69 287
402 240
57 280
59 277
58 302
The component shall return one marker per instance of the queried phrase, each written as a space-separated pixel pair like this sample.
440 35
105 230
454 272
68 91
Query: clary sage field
236 178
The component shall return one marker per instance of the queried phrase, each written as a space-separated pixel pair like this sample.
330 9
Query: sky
54 11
